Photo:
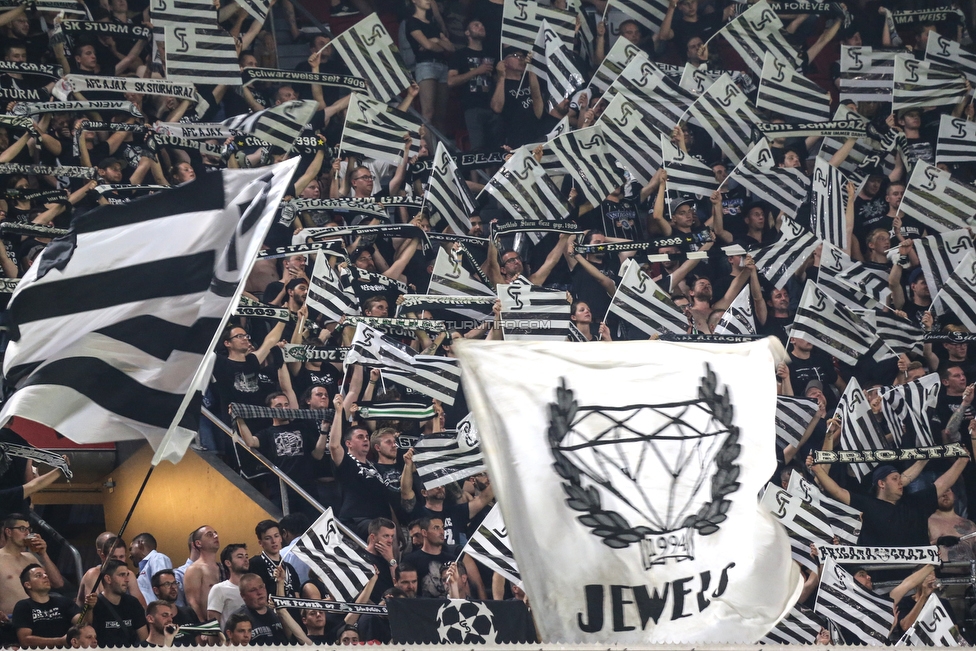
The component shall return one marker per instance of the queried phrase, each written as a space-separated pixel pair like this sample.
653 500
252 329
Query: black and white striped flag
805 523
778 261
957 141
447 457
102 365
845 602
590 161
326 294
450 278
437 377
447 194
661 101
859 430
641 303
620 55
786 188
937 200
563 77
738 319
726 114
634 139
531 313
827 215
375 131
685 174
901 335
257 9
866 74
371 54
550 162
940 254
800 626
757 31
958 294
489 546
838 270
865 153
201 55
844 520
696 80
521 20
830 327
525 191
168 14
905 408
786 92
933 626
336 556
649 13
278 126
793 416
924 83
950 53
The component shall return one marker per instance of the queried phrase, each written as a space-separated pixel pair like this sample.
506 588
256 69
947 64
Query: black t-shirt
455 517
290 448
51 619
364 495
327 375
705 27
185 616
621 220
428 566
490 15
430 30
819 366
265 629
118 627
238 381
519 123
476 93
921 148
586 288
265 567
904 524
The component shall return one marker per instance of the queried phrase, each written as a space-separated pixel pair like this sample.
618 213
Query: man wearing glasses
236 373
166 589
23 548
519 105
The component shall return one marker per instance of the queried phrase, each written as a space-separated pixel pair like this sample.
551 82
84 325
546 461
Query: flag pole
118 537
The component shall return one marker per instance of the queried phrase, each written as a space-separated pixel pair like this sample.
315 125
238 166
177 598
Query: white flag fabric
830 326
634 138
641 303
739 318
845 520
827 214
793 416
685 173
523 188
98 365
644 459
621 54
937 200
490 546
805 524
371 54
649 13
532 313
779 260
521 20
866 75
336 556
933 626
940 254
924 83
785 91
326 294
845 602
447 457
727 115
758 31
589 158
374 130
858 430
957 140
950 53
905 409
201 55
801 626
278 126
448 195
958 294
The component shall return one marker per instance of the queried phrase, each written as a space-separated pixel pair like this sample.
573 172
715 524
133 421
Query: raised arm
335 434
540 276
270 341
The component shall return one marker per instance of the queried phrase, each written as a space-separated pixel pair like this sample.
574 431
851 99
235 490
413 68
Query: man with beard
225 597
778 315
511 267
166 589
430 557
454 517
946 527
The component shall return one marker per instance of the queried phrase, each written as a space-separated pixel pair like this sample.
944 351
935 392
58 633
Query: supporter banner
301 353
903 18
374 278
31 230
85 83
408 231
676 240
248 412
949 451
455 237
195 131
396 410
836 128
446 457
127 187
90 125
35 69
709 339
67 6
48 196
531 226
183 143
311 145
432 302
398 327
250 307
21 95
210 628
431 621
333 248
106 29
272 75
8 285
466 162
16 122
51 459
327 606
77 107
953 337
928 555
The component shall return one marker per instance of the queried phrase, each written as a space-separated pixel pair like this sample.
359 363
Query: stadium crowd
363 468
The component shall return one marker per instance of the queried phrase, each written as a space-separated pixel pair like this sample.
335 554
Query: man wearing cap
921 141
870 208
920 299
892 518
520 105
808 363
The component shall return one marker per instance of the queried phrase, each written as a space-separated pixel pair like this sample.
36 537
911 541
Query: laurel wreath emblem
609 525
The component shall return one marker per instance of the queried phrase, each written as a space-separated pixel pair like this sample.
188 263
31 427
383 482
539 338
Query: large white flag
627 474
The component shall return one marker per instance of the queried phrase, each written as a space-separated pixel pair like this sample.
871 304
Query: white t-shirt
225 598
